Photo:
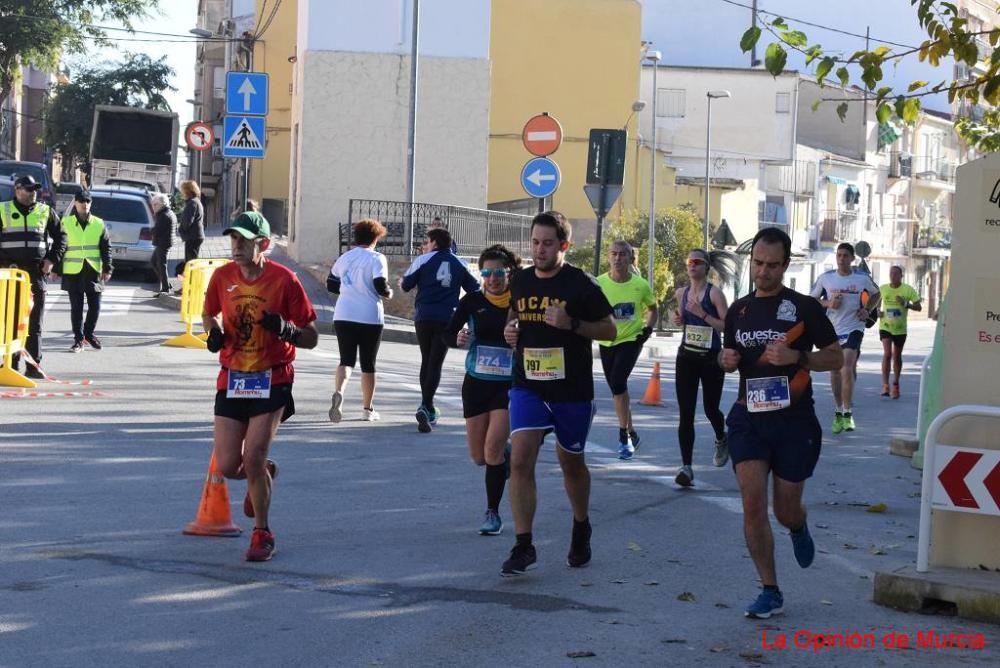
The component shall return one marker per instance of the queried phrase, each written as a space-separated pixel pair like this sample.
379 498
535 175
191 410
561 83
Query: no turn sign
199 136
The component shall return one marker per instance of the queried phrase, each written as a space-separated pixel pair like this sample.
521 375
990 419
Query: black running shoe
579 547
522 559
94 342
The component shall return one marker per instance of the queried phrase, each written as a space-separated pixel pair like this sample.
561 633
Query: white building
350 111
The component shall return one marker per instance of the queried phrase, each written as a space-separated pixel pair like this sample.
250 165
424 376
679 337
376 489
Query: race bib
251 385
698 336
893 313
624 311
494 361
768 394
544 364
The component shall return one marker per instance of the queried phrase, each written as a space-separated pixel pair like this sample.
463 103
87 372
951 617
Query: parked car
148 186
37 171
6 188
65 191
128 218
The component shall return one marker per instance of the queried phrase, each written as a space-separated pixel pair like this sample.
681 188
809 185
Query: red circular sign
199 136
542 135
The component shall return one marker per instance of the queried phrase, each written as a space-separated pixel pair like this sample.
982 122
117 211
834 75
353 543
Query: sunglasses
486 273
695 262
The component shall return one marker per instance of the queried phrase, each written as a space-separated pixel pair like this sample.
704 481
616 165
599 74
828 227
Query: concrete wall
578 60
823 128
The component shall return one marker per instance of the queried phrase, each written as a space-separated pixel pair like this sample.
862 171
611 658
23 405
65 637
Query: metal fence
471 229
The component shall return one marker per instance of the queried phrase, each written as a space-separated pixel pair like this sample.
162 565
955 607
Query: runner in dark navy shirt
438 275
769 337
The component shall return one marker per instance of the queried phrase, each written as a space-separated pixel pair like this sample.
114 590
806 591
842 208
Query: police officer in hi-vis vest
26 228
86 267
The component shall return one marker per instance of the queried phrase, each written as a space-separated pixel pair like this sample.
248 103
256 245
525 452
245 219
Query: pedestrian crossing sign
244 137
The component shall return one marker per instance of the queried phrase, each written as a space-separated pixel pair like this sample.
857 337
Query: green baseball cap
249 224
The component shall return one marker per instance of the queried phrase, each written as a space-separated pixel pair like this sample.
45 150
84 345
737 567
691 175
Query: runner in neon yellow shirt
898 299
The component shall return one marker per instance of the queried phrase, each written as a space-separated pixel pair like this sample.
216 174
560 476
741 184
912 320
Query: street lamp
637 106
201 32
654 56
711 95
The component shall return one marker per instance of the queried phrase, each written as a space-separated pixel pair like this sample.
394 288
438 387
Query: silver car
128 218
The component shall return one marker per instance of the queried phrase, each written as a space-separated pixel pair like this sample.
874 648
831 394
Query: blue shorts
789 440
570 420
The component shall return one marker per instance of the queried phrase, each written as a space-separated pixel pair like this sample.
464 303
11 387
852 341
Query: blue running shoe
802 544
625 451
769 602
492 524
435 415
423 420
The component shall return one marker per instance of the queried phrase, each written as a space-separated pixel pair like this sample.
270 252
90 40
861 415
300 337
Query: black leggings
352 336
689 371
430 336
618 362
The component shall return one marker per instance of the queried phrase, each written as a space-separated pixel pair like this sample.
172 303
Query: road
378 559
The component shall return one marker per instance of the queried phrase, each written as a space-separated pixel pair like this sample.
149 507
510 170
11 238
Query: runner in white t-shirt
360 276
840 290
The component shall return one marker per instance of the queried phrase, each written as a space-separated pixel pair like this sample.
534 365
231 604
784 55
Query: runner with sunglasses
701 311
487 374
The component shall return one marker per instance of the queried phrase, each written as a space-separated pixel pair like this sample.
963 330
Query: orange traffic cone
652 396
214 518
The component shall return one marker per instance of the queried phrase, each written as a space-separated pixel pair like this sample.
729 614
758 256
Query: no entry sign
542 135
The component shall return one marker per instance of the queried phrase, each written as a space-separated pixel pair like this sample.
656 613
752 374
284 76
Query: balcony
930 239
839 225
936 174
798 178
899 165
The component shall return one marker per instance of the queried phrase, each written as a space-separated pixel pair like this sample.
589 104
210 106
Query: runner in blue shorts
769 337
556 310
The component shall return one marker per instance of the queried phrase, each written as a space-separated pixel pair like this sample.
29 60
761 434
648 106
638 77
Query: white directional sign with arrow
246 93
540 177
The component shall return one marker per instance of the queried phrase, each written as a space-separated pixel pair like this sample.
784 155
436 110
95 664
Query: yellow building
274 54
578 60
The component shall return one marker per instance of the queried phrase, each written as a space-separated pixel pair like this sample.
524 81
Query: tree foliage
138 81
41 32
948 36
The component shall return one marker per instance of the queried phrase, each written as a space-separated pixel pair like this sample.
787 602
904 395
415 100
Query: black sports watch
574 324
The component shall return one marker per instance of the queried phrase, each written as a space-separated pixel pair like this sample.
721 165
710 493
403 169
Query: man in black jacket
31 239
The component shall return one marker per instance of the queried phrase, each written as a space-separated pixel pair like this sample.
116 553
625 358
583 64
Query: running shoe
685 476
579 547
435 414
895 391
336 402
261 545
802 544
522 559
625 451
721 454
492 524
885 389
370 415
94 342
32 371
423 420
77 347
769 602
634 437
838 423
272 468
848 422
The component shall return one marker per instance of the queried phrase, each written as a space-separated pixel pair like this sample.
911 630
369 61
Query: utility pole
411 154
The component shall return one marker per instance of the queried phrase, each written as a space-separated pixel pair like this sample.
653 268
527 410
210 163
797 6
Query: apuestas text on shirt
758 338
525 306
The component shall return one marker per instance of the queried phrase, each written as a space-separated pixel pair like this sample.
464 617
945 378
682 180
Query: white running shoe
336 415
370 415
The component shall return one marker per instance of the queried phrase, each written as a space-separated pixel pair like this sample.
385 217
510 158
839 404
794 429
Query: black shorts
482 396
897 339
244 409
853 340
355 336
618 362
789 440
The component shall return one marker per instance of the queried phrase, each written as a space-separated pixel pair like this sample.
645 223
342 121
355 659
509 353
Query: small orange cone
652 396
214 518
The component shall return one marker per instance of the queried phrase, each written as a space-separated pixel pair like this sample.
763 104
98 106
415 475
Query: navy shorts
570 420
852 340
789 440
244 409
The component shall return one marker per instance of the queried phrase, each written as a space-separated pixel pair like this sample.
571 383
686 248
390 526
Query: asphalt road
379 561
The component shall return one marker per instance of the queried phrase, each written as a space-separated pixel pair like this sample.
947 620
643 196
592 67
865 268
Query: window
783 103
670 102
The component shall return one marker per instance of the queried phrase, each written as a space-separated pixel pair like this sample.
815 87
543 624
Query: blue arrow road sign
243 137
540 177
246 93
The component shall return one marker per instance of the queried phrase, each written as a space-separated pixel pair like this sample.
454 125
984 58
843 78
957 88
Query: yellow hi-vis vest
23 233
83 244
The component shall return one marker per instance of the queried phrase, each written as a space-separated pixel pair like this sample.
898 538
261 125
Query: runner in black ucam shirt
556 310
769 337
